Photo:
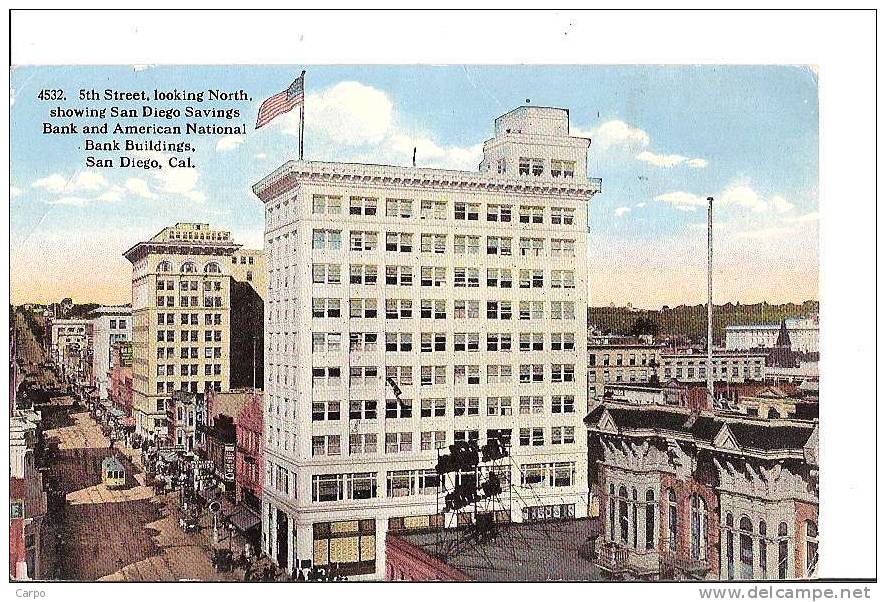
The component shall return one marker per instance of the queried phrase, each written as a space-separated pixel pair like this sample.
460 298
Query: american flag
283 102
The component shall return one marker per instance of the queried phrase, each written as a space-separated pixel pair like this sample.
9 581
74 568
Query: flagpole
301 123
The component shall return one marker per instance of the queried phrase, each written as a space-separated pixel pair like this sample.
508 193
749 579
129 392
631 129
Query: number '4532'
51 95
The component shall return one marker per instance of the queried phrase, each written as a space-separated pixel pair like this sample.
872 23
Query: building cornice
142 249
289 175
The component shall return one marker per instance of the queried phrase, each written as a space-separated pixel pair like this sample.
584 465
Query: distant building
621 360
250 459
185 417
120 383
69 345
110 325
715 496
29 536
221 449
186 315
729 366
803 333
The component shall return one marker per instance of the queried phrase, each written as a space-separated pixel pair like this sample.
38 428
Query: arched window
811 548
763 548
623 512
650 519
212 268
189 267
783 551
730 547
699 526
634 516
746 547
611 512
672 521
164 266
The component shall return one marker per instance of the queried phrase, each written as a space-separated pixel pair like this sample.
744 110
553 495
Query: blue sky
664 137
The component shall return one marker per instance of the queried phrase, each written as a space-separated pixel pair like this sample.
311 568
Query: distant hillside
692 320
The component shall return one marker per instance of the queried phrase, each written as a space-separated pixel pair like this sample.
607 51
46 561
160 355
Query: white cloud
801 219
261 156
348 113
640 205
660 160
763 233
73 201
619 211
684 201
137 68
230 142
739 195
180 181
82 181
617 133
112 194
743 196
354 122
140 188
780 204
14 191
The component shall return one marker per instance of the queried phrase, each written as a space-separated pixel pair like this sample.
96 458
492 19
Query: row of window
724 371
404 275
189 267
193 319
402 242
188 285
623 359
436 375
194 386
368 409
189 301
324 342
437 210
188 353
401 309
188 369
168 336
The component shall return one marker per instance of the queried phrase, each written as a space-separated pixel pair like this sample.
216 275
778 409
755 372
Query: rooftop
529 551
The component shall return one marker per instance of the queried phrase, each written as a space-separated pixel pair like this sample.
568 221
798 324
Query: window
531 404
532 278
466 277
326 308
466 406
500 341
363 241
532 373
398 242
531 310
498 213
562 216
398 275
650 519
433 408
467 211
398 341
562 404
398 309
334 487
471 435
783 551
433 210
325 410
326 376
499 406
562 373
363 443
324 273
398 408
562 341
562 310
763 545
499 374
363 205
467 245
498 245
362 409
433 440
363 376
363 308
433 276
433 375
532 341
466 374
466 309
433 341
433 243
364 274
467 341
699 528
562 435
329 240
363 341
433 309
811 548
398 208
500 278
398 443
498 310
562 279
531 247
322 342
531 215
562 248
326 445
562 169
325 204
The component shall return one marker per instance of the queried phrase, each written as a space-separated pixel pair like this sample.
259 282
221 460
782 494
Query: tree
644 325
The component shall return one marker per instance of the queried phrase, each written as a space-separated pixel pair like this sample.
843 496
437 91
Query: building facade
689 495
110 325
250 468
69 344
803 333
729 366
182 318
410 308
621 360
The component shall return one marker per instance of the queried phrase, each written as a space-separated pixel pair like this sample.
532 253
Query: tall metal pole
301 132
710 370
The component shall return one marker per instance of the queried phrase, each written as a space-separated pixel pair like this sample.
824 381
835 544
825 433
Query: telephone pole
710 370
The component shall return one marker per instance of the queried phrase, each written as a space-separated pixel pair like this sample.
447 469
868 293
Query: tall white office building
468 290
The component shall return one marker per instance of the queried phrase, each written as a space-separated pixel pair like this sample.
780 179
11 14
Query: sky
663 139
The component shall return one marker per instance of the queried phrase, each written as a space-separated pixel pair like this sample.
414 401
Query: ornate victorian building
685 495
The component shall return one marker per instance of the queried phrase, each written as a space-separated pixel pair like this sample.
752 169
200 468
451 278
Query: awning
244 518
129 421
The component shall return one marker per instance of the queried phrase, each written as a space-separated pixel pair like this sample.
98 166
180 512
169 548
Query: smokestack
710 370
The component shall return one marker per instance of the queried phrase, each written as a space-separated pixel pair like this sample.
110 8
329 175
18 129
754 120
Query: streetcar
113 473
